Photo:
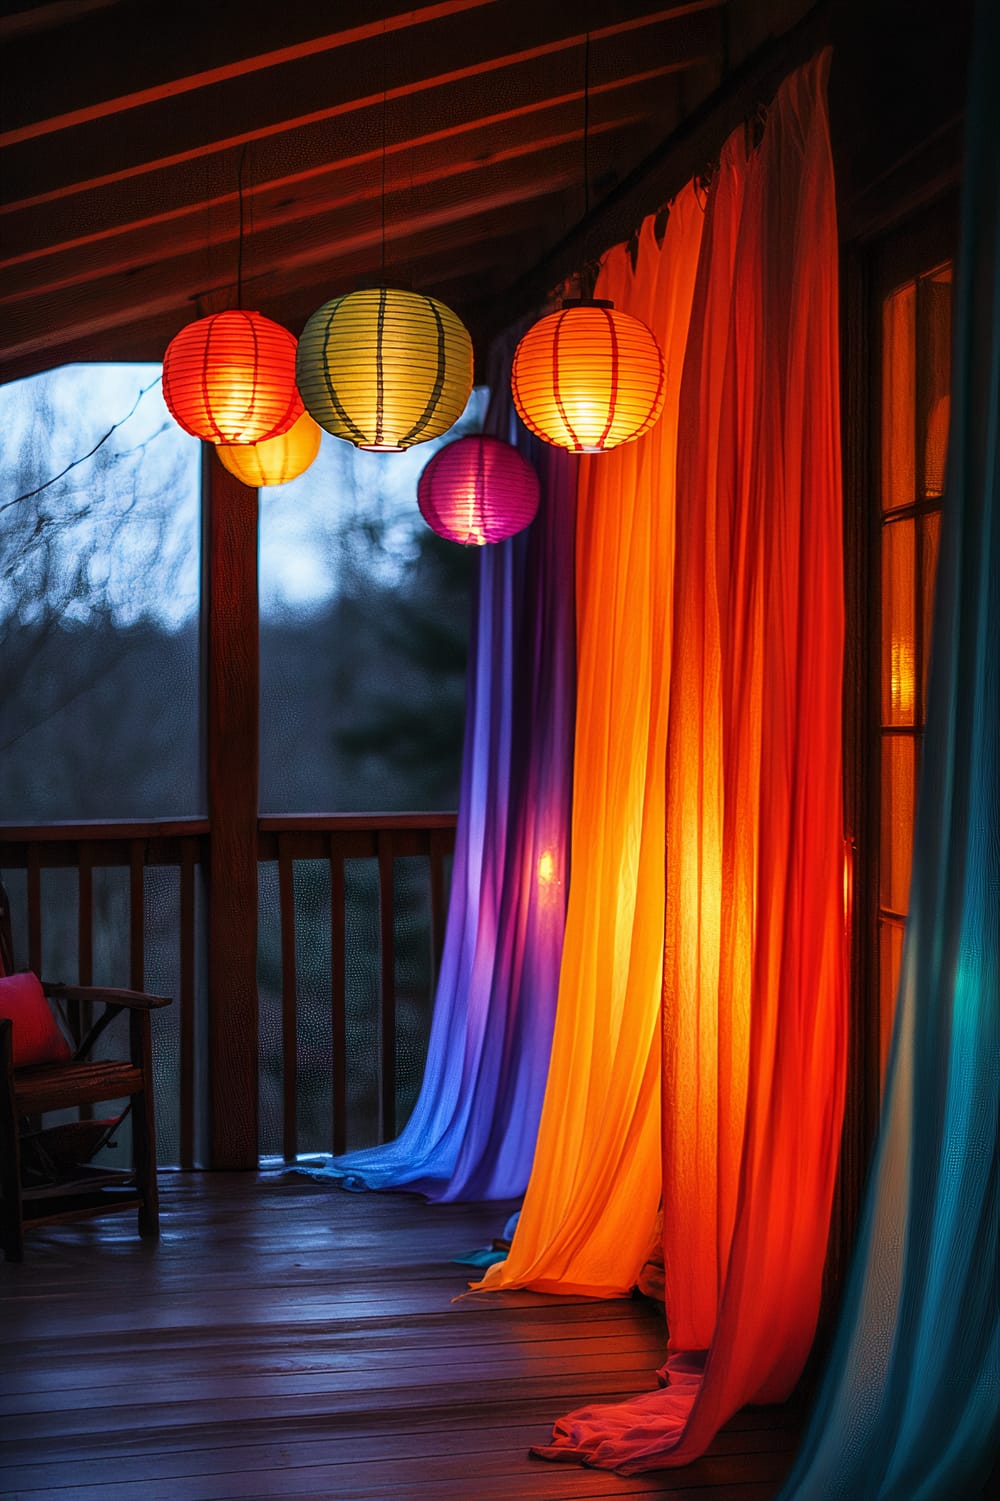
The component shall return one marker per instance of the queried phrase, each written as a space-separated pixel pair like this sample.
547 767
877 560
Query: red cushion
36 1037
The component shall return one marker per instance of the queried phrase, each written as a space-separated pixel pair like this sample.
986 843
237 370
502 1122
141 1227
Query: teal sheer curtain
908 1407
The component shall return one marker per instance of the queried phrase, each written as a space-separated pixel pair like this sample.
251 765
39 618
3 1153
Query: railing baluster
437 854
82 1012
34 909
338 995
85 917
387 1072
137 915
289 1070
187 997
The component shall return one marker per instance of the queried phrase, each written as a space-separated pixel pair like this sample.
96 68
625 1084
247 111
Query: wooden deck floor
286 1339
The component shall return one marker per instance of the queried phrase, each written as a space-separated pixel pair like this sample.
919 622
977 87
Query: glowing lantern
230 378
478 490
385 369
275 461
588 377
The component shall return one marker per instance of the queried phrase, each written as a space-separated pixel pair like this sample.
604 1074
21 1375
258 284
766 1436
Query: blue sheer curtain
907 1410
472 1131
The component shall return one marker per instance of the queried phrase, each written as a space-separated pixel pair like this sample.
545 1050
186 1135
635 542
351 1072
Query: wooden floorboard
286 1339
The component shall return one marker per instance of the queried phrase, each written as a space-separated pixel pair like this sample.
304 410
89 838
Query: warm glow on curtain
589 1213
754 1001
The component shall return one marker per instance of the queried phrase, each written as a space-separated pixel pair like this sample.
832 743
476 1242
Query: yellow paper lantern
588 378
276 460
384 368
230 378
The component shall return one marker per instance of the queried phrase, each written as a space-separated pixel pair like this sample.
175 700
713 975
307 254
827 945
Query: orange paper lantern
230 378
588 378
275 461
476 490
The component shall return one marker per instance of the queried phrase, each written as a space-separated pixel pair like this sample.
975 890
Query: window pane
899 659
899 360
364 625
99 597
898 787
931 529
935 304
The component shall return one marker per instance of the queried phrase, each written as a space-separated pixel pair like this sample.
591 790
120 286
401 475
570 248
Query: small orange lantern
588 377
230 378
275 461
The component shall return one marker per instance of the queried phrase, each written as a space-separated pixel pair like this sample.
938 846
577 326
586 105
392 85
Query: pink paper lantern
478 490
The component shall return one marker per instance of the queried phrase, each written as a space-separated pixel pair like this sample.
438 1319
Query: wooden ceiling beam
468 45
185 201
144 339
164 50
497 152
143 311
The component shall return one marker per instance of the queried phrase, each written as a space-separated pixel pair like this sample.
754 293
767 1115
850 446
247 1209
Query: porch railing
335 840
182 846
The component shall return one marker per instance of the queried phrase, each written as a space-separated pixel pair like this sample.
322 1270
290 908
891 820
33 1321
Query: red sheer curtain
754 995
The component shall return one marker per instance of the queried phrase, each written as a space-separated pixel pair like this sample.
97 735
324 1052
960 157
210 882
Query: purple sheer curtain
472 1131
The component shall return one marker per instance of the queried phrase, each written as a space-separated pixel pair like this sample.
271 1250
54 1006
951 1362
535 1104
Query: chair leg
11 1205
144 1128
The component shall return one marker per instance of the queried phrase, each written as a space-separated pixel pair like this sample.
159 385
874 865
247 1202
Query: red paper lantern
588 378
230 378
478 490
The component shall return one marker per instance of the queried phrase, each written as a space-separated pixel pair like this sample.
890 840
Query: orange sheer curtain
754 999
590 1209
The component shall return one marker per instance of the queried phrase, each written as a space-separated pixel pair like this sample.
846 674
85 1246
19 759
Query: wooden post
338 993
233 664
289 1002
386 904
187 1002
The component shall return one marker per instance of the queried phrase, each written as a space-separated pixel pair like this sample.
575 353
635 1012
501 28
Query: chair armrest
133 1000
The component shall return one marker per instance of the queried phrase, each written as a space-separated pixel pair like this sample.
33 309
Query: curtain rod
684 153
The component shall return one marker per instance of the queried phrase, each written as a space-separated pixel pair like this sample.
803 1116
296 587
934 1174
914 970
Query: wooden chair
45 1172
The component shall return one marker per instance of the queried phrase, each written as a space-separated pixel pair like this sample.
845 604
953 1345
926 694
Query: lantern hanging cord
586 143
239 252
29 494
384 110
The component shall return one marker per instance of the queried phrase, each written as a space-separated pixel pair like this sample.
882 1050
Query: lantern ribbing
230 378
588 378
478 490
384 368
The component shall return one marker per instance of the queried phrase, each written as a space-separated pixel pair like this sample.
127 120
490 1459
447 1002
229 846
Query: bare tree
77 548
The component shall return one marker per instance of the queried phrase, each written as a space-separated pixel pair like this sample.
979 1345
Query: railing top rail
96 830
99 830
293 823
